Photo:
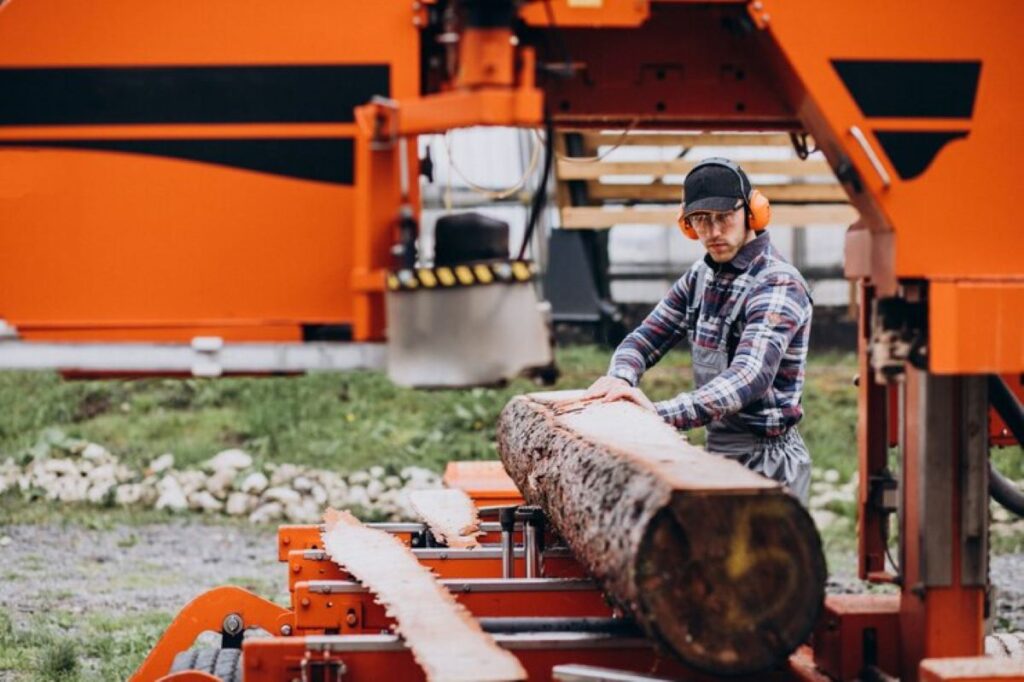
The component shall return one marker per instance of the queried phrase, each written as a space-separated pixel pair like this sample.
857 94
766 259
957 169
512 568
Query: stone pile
229 483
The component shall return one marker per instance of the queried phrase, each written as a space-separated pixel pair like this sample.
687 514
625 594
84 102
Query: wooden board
648 139
598 218
450 515
445 639
658 192
718 563
572 170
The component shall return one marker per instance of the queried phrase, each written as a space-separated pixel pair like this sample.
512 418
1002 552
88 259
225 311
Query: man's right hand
602 386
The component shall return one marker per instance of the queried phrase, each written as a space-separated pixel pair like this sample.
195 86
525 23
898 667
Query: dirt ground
160 567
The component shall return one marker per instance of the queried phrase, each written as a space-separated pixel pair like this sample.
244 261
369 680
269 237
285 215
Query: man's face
722 234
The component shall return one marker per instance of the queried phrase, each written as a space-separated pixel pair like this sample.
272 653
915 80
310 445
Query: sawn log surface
450 514
445 639
715 562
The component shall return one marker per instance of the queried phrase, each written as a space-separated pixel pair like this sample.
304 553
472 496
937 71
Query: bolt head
286 630
232 624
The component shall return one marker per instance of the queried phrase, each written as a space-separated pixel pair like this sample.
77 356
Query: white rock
61 467
220 482
306 511
302 484
831 476
204 501
267 513
283 495
239 504
99 491
374 489
357 496
5 540
319 495
230 459
255 483
359 478
393 482
823 518
376 471
104 472
161 463
190 480
284 473
173 499
128 494
95 451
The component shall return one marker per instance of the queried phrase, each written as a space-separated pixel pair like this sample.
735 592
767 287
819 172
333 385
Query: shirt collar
746 255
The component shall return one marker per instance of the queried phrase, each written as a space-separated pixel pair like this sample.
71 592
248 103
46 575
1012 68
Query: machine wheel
223 663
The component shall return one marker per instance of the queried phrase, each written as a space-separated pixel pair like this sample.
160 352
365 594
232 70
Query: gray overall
783 458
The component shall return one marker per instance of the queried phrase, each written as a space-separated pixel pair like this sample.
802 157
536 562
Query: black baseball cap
714 186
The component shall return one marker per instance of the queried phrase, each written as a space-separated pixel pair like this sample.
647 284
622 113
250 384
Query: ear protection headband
758 210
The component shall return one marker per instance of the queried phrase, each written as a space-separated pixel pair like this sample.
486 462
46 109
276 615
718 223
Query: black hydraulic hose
1003 490
540 196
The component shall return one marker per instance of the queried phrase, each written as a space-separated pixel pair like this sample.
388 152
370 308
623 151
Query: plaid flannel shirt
765 377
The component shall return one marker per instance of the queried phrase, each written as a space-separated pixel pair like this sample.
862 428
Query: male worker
747 314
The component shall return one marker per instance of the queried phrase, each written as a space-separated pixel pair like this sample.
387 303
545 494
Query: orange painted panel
975 327
113 243
955 218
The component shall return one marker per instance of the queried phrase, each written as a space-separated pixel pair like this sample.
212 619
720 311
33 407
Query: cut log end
731 584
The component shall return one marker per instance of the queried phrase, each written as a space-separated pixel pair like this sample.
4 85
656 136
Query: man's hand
600 388
609 389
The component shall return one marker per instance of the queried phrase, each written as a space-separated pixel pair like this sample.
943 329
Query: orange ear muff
685 226
760 210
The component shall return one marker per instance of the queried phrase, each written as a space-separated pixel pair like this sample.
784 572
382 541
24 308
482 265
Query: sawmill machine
194 174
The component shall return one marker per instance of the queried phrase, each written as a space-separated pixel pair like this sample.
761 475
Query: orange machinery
264 200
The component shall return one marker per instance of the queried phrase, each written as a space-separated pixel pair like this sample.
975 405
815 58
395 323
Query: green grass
60 646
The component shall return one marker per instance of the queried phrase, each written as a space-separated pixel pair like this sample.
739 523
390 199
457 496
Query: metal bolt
305 602
296 568
286 540
350 618
232 624
286 630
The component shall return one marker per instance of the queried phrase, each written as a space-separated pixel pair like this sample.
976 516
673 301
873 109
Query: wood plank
444 638
793 215
657 192
648 139
569 170
450 514
715 562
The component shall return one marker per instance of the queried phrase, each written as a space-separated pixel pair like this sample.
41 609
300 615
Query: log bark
445 639
714 561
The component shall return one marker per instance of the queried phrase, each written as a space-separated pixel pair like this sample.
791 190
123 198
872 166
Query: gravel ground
160 567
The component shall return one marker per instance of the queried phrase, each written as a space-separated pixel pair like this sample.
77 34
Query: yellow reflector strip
427 279
464 274
520 271
483 273
393 283
446 276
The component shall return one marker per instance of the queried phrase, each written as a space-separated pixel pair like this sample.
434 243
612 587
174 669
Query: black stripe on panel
917 89
188 94
912 152
325 159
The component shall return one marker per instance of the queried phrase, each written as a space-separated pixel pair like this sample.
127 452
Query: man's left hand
629 394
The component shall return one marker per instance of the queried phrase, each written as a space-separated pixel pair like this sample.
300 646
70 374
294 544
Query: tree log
714 561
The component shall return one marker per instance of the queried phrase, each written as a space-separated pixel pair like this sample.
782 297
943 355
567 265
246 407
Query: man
747 314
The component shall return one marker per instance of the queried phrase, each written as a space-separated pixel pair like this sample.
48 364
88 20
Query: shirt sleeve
657 334
775 310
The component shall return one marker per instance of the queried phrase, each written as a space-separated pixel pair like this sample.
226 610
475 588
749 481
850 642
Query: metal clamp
533 537
869 152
